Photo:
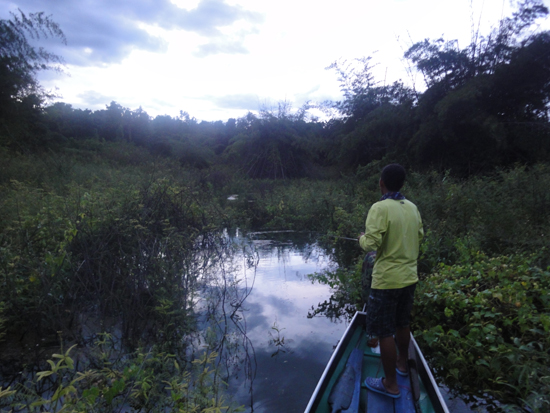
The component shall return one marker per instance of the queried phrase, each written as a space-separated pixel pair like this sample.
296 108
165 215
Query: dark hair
393 176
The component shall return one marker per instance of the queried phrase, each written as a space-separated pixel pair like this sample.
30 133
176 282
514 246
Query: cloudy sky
218 59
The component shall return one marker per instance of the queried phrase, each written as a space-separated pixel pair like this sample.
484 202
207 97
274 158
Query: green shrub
151 381
485 324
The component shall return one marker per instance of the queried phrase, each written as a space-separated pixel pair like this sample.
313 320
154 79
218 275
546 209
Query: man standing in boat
394 230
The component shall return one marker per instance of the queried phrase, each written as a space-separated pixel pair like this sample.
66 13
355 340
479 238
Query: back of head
393 176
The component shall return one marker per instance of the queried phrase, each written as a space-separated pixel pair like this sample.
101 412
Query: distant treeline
484 106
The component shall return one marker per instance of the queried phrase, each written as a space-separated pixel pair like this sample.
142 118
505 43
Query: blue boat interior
365 400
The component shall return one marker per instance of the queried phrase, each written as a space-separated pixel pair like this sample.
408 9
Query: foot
401 373
402 366
377 385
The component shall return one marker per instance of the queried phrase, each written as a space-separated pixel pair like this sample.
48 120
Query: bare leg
388 354
402 338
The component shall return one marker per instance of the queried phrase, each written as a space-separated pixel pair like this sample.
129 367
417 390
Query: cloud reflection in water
288 359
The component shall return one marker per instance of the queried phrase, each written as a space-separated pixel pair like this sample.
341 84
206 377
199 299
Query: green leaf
43 374
91 394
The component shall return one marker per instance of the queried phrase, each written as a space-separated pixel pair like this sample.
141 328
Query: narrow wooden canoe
419 391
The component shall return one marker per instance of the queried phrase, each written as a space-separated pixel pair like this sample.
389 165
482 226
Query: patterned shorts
388 310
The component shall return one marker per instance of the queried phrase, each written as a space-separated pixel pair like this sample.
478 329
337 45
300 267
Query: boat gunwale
333 363
427 377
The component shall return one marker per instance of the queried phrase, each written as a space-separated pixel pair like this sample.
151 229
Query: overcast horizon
219 59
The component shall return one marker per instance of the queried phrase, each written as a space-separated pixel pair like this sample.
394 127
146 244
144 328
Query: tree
21 96
487 104
19 60
271 146
62 118
484 105
374 120
382 130
137 126
356 80
444 65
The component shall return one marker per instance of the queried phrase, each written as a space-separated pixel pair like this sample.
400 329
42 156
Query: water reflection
274 328
257 313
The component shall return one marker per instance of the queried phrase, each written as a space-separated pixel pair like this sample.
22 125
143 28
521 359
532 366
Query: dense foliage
492 315
105 238
144 381
111 217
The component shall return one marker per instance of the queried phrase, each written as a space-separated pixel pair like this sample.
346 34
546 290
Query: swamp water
250 296
273 328
272 349
273 353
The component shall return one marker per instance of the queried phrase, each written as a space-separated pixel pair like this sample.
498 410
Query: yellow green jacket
394 230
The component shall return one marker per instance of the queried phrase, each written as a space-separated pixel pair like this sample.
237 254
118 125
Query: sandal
377 386
402 373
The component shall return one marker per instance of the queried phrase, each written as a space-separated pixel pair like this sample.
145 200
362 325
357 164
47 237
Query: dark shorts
388 310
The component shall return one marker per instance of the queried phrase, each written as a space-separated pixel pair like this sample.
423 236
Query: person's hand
360 235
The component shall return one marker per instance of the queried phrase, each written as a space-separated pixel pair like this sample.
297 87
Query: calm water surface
272 352
276 353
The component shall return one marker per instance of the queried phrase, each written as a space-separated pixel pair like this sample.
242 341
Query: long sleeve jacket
394 230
